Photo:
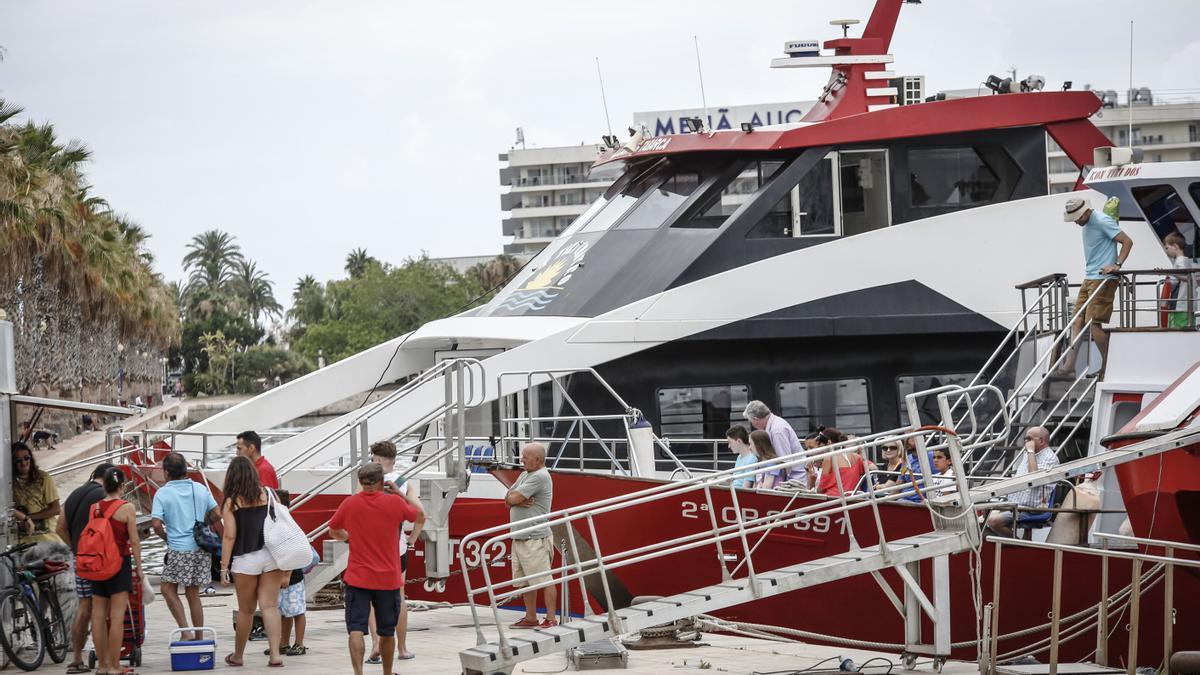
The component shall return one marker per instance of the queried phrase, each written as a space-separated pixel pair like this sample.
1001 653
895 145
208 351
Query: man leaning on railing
1101 236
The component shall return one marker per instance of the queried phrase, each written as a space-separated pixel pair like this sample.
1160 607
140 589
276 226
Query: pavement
437 635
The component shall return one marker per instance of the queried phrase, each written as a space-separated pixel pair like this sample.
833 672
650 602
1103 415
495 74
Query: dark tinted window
738 191
949 177
701 412
844 404
1166 213
671 189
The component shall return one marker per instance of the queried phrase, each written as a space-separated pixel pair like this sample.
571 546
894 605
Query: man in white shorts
529 497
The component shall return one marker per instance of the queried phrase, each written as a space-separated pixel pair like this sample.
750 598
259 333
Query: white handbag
284 539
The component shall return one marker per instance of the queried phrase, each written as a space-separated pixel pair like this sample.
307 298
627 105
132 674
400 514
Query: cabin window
662 200
957 177
1166 213
926 405
863 178
807 210
844 404
701 412
621 197
722 205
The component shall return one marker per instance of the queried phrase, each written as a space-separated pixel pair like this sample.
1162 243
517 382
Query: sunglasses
891 447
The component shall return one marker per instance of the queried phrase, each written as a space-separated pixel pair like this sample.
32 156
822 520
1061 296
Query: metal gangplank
954 530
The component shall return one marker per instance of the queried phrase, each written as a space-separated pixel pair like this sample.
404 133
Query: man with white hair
783 436
1102 260
1037 456
532 549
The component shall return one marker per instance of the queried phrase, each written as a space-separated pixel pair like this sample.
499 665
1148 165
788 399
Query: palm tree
495 272
308 303
358 262
211 259
255 289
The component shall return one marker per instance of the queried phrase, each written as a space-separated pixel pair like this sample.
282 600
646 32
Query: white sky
310 128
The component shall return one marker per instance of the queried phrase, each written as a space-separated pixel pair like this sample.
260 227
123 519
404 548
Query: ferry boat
829 268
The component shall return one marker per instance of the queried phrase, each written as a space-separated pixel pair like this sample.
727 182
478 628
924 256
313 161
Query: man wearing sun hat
1102 260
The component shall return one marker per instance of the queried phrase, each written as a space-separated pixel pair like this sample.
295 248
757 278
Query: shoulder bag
283 538
202 532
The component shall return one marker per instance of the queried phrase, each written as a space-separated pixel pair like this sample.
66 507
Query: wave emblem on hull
549 282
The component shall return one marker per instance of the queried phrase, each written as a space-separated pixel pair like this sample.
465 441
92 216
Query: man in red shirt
370 522
249 445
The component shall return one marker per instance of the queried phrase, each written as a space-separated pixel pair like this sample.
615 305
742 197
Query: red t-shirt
373 520
266 473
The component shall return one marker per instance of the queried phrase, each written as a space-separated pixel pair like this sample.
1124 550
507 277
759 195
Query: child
1177 315
291 604
739 442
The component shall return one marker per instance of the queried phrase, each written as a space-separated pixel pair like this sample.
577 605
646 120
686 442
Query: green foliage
350 315
266 362
213 318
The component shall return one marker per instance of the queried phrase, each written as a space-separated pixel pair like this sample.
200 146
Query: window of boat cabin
701 412
863 178
714 212
926 405
622 195
955 177
844 404
806 210
1166 213
664 192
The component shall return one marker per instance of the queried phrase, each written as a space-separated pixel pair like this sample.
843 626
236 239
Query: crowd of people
207 540
844 470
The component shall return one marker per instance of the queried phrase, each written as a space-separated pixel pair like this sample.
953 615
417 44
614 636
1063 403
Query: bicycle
31 628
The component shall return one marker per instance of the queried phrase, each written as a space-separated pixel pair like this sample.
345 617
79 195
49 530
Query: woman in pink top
849 465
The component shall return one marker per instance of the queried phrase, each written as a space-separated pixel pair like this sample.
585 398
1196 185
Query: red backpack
97 557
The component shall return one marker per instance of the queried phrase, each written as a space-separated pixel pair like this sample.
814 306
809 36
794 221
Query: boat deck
437 635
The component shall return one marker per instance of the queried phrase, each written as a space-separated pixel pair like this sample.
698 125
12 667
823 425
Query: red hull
1162 494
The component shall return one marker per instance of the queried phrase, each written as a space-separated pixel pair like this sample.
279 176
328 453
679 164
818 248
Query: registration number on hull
728 515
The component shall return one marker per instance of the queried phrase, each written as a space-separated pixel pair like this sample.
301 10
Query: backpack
97 557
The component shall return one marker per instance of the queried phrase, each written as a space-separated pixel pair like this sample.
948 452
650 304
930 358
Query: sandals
374 660
73 668
296 650
274 664
231 663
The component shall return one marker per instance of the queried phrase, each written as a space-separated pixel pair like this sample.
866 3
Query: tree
495 272
308 305
358 261
255 290
211 260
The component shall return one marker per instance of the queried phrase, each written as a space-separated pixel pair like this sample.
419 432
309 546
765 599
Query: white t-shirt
403 487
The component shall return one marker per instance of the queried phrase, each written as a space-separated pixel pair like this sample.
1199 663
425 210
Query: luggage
135 627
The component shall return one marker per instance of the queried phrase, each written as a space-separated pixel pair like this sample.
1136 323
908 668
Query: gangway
955 530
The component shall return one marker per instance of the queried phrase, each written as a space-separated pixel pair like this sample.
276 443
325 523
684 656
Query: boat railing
727 525
1179 287
520 421
1164 561
463 390
466 373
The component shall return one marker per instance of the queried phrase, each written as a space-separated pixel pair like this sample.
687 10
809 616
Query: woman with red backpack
108 553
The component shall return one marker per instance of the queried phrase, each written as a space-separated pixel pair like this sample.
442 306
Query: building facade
547 189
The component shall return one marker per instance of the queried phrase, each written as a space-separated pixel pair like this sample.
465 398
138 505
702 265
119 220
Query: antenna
603 98
1131 83
700 72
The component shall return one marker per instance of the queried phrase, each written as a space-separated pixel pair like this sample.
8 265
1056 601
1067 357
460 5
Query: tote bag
284 539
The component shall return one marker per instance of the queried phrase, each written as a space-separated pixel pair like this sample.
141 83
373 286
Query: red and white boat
829 268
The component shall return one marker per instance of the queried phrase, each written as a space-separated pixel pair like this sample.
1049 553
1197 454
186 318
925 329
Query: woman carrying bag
246 559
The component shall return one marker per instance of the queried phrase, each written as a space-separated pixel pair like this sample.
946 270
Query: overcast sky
310 128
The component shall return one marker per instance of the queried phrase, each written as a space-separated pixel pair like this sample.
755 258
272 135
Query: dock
436 636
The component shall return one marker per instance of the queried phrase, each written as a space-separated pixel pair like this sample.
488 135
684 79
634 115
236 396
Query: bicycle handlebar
13 550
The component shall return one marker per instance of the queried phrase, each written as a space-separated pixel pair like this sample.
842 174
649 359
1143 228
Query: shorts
359 602
1101 308
291 600
253 563
531 556
83 587
188 568
121 582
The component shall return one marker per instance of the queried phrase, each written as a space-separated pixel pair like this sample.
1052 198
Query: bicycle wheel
21 630
56 629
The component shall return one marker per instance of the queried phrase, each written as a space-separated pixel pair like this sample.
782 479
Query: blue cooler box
193 654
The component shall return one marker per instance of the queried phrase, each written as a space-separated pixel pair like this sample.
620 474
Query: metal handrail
373 409
718 534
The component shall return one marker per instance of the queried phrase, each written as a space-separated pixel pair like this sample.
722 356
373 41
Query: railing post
204 451
1102 618
995 638
741 524
1135 612
1055 611
614 620
712 516
1168 608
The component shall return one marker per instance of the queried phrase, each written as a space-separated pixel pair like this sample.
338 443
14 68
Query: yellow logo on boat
547 283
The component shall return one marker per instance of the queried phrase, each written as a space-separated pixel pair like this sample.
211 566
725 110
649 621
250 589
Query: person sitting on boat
783 437
739 442
1101 237
765 479
848 464
533 551
943 474
1038 456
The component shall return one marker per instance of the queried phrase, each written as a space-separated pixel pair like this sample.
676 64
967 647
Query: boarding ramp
953 529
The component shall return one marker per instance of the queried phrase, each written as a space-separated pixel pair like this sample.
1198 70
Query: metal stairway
495 657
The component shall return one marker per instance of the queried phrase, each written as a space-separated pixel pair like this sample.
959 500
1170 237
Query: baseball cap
1075 209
